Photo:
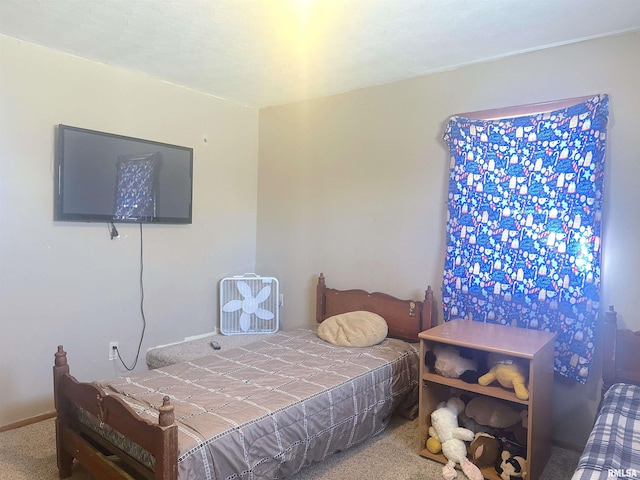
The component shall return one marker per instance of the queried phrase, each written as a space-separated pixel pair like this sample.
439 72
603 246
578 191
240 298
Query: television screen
102 177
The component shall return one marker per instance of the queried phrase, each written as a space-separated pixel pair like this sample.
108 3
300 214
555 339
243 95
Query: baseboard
28 421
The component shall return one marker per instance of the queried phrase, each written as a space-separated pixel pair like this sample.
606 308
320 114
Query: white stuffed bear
444 427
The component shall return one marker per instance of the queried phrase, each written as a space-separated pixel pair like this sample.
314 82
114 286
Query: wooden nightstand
533 346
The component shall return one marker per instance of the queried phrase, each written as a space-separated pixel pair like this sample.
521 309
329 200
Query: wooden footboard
620 353
75 439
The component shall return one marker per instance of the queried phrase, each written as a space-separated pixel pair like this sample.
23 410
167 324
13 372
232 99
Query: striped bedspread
269 408
613 448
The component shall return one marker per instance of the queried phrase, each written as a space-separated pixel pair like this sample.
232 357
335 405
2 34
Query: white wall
68 283
355 185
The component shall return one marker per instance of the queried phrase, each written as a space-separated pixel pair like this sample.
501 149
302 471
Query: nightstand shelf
534 347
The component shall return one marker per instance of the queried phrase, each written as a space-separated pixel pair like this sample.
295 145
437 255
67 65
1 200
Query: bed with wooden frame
131 428
613 447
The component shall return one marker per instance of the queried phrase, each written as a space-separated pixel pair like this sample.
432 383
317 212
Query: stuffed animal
509 443
484 450
444 428
434 445
475 427
492 412
508 372
519 430
451 362
512 468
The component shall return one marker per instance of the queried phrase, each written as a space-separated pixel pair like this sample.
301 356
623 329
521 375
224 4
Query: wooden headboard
405 318
620 353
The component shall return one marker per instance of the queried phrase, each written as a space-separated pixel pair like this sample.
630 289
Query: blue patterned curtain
523 228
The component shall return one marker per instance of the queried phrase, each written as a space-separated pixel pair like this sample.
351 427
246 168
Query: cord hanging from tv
104 177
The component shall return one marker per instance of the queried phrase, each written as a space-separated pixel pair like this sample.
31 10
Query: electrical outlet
113 350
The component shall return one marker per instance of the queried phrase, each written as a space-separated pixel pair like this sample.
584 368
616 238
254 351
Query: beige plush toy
492 412
508 372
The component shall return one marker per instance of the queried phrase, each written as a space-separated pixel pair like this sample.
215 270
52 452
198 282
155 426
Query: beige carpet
28 453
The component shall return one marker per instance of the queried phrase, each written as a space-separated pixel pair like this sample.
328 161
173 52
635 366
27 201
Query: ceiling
269 52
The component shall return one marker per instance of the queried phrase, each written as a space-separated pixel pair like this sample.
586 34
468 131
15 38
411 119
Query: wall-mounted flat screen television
103 177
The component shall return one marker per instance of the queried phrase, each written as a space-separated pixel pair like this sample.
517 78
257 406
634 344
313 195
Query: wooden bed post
320 306
609 348
60 368
427 309
166 416
167 461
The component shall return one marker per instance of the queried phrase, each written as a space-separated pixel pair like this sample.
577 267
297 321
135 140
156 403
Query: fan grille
249 304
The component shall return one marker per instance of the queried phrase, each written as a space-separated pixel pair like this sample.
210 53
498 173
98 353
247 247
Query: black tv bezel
59 215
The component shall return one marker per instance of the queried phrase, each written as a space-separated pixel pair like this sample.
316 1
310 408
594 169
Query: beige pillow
354 329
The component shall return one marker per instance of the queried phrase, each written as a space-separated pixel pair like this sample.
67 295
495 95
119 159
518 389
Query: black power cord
113 231
144 320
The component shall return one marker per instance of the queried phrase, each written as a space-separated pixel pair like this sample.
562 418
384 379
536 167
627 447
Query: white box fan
249 304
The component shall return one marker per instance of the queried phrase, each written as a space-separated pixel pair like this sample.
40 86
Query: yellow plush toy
508 372
434 445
